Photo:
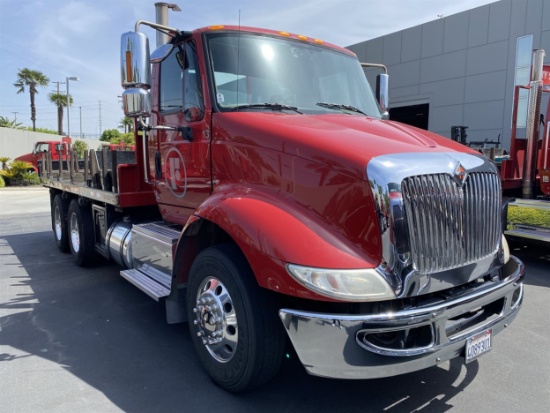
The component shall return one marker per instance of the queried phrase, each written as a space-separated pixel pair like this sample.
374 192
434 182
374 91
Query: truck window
171 82
192 90
180 86
252 69
41 147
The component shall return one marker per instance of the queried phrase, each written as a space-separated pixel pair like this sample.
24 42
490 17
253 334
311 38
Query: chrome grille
450 225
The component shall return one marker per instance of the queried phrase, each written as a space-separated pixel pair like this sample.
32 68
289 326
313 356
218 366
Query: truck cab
56 149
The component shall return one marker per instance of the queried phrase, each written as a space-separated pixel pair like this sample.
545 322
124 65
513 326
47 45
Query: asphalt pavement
85 340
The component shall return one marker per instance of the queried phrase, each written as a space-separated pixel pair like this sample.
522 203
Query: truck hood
344 142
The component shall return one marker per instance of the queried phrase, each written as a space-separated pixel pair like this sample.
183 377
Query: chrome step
151 281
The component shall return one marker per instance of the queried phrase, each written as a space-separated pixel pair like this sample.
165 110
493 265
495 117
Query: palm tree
32 79
127 124
60 100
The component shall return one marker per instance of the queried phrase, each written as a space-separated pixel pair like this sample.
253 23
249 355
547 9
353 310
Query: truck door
182 162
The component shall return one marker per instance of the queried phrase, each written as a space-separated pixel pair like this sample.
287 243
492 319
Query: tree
109 135
31 79
79 147
60 100
125 138
127 124
6 123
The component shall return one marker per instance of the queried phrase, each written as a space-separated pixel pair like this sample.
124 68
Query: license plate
478 345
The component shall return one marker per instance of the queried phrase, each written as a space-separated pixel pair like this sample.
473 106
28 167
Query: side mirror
136 74
382 92
136 102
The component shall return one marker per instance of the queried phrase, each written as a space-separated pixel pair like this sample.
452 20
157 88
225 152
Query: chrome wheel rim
216 320
75 236
57 223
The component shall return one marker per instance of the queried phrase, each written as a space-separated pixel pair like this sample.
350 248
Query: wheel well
198 236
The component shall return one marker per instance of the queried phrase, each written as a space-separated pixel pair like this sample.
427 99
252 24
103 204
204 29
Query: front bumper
347 347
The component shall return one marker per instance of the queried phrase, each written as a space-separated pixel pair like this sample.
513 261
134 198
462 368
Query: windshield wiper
340 106
273 106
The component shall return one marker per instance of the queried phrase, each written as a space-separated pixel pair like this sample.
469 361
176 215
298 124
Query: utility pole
15 113
80 109
69 105
100 119
58 83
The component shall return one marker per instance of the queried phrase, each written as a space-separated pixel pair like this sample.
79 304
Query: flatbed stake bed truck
269 203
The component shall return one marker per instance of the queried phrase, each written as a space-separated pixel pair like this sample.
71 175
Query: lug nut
200 333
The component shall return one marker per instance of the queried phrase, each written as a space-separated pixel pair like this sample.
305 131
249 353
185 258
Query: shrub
2 183
31 178
528 216
19 172
4 160
42 130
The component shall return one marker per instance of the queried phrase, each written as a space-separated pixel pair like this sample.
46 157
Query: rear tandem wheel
81 233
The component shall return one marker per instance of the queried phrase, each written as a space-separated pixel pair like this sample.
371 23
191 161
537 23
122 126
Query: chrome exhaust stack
532 132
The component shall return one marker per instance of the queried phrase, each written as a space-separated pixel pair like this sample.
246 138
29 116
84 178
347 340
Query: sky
70 38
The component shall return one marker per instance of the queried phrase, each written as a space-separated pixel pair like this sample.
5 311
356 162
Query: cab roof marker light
301 37
216 27
318 41
286 34
346 285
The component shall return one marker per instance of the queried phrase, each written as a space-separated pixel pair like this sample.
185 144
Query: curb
23 188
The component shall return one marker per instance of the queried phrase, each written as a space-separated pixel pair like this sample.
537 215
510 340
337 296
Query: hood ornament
460 174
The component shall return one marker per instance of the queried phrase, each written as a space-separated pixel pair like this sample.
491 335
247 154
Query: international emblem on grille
460 174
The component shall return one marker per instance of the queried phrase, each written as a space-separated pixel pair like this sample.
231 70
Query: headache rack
108 176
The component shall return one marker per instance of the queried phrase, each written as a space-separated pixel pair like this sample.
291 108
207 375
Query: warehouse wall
14 142
462 65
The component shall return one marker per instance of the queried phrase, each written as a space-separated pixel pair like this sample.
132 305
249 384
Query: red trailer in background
526 174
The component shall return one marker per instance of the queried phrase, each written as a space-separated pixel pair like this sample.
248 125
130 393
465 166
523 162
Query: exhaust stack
162 18
532 132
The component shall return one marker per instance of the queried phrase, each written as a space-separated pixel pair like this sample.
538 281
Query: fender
272 232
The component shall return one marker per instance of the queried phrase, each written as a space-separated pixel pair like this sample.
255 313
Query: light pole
68 105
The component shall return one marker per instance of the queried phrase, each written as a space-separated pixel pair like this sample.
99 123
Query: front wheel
234 327
81 233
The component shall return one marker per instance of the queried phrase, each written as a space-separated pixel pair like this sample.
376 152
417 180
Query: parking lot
85 340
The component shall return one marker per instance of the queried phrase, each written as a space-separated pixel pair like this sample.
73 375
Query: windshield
253 70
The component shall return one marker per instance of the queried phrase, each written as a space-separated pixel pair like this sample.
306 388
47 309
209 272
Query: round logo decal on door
175 175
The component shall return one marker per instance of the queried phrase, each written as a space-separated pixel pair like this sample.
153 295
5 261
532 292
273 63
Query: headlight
505 250
348 285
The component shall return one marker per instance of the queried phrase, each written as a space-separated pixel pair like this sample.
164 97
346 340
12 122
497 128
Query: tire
234 327
81 234
60 207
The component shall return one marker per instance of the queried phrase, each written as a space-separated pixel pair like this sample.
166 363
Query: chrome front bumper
337 346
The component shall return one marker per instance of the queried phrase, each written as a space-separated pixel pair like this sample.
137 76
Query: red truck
271 205
57 149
